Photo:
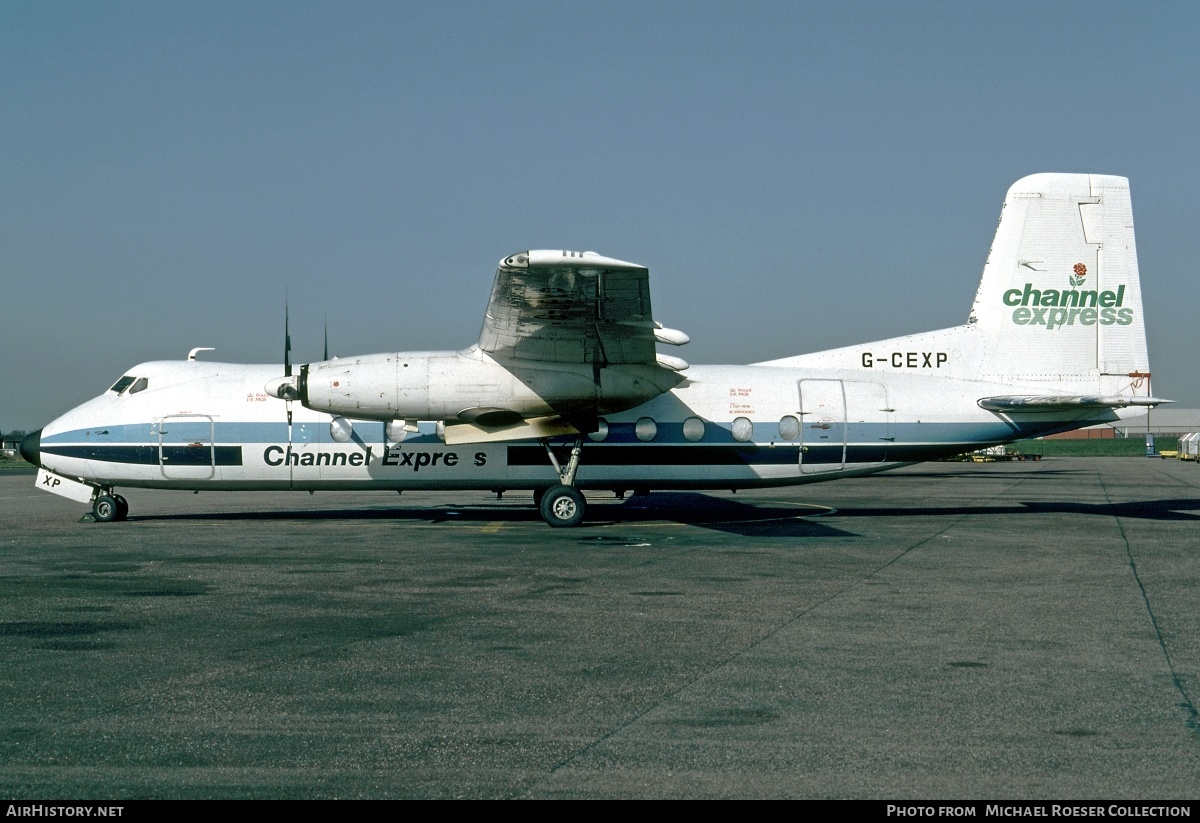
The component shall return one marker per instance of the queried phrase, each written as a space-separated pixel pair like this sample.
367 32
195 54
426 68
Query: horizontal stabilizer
1054 403
463 433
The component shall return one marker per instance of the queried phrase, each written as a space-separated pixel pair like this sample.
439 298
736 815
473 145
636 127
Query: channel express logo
1055 308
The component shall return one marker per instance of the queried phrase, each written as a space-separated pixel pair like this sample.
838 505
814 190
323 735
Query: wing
1055 403
570 307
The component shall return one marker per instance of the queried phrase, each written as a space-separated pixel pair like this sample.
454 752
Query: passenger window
601 431
789 428
645 429
743 429
693 429
341 429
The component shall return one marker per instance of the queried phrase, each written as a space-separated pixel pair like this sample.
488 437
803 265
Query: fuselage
202 425
565 389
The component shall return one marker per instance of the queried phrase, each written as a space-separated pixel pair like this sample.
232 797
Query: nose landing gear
109 507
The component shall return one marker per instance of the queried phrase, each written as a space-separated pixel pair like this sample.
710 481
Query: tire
562 507
122 507
105 509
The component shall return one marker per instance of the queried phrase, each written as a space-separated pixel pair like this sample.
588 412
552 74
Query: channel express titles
1054 308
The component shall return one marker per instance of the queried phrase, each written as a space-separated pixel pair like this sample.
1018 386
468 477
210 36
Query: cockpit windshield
122 384
130 384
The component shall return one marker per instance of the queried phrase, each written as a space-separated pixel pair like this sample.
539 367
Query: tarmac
951 631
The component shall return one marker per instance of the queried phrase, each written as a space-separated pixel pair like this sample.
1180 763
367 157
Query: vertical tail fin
1060 302
1059 308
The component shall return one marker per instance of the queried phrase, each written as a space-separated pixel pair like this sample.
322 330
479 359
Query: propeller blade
287 342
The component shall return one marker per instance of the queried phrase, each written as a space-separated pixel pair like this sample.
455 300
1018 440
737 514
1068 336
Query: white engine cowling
460 385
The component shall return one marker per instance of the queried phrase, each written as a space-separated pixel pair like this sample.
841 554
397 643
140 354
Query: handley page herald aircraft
565 391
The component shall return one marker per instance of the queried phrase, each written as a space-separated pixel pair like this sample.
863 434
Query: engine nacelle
464 385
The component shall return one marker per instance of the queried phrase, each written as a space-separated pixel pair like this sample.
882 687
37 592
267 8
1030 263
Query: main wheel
562 506
104 509
122 507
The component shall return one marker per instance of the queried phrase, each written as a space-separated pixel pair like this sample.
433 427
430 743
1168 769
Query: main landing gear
562 506
108 507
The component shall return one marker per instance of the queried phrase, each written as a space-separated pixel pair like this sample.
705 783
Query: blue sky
797 176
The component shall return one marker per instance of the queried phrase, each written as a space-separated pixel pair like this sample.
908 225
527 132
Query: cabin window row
645 429
742 429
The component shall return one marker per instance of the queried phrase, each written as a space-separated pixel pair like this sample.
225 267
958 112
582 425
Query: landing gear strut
562 506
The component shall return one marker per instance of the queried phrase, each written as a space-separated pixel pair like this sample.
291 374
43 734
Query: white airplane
565 392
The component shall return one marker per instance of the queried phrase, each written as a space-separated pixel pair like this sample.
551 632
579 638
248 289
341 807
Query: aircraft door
185 447
822 426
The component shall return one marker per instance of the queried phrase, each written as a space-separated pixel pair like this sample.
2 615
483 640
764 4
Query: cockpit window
130 384
122 384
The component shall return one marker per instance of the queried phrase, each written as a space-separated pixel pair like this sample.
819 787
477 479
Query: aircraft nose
31 448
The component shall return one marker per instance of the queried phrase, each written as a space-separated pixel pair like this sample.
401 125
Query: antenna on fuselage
192 354
326 355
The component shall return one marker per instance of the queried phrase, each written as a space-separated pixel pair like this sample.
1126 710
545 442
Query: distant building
1093 433
1165 420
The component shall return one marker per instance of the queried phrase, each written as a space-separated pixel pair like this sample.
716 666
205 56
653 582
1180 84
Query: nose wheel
107 508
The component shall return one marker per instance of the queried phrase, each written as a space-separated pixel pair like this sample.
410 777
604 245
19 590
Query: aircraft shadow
701 510
1143 510
747 519
685 508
